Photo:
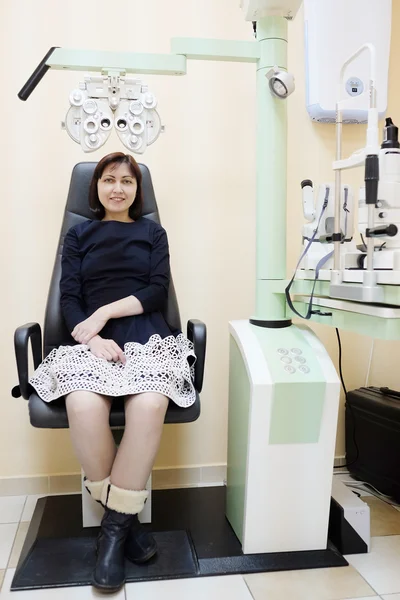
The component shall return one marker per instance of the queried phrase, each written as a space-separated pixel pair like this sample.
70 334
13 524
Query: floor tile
11 508
380 567
2 573
196 588
391 597
314 584
385 520
7 535
30 506
68 593
18 543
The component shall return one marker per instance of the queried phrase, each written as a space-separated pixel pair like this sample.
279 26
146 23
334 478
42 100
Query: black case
375 415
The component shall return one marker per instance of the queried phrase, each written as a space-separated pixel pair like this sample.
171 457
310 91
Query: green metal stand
271 172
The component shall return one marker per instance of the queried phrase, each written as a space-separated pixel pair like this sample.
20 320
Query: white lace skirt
161 365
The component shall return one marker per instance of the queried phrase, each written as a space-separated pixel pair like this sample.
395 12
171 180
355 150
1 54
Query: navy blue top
105 261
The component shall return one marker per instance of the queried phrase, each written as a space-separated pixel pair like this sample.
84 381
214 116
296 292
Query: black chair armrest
22 335
197 333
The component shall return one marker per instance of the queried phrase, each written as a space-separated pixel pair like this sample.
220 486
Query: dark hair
117 158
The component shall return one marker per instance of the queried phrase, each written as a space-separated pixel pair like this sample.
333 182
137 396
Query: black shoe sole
106 589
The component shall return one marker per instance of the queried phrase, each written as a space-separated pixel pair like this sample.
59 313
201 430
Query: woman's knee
149 403
80 403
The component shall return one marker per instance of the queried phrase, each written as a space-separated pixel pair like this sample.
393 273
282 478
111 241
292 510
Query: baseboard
69 483
163 478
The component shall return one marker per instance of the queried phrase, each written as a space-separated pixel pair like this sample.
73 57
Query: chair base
194 537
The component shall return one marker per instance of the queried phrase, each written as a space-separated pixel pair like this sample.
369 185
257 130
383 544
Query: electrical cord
368 487
318 267
383 245
348 405
363 241
369 363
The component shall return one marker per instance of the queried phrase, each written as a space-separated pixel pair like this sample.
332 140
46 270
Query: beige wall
203 169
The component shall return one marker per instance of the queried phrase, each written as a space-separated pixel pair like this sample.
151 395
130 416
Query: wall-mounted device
334 30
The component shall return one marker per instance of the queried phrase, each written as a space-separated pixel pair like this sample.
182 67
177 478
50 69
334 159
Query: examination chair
54 415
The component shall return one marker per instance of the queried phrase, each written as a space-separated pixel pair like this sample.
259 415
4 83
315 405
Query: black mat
194 537
274 561
71 561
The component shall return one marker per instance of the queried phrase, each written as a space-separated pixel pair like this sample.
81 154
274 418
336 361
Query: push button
300 360
286 359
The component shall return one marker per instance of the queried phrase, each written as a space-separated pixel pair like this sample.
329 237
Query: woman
114 285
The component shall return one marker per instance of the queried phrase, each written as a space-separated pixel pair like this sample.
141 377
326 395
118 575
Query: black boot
121 506
140 545
109 574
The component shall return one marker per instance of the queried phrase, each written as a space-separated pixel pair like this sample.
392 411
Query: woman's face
117 190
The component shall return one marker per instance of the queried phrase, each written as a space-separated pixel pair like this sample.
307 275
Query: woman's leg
144 420
124 496
92 440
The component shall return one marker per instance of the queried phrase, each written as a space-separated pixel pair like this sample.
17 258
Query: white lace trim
160 365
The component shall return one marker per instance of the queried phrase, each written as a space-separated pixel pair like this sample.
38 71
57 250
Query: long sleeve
71 284
154 296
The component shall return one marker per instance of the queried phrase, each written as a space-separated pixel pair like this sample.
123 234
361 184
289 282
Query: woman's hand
87 329
106 349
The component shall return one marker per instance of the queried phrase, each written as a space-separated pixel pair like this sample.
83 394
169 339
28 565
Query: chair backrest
77 211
